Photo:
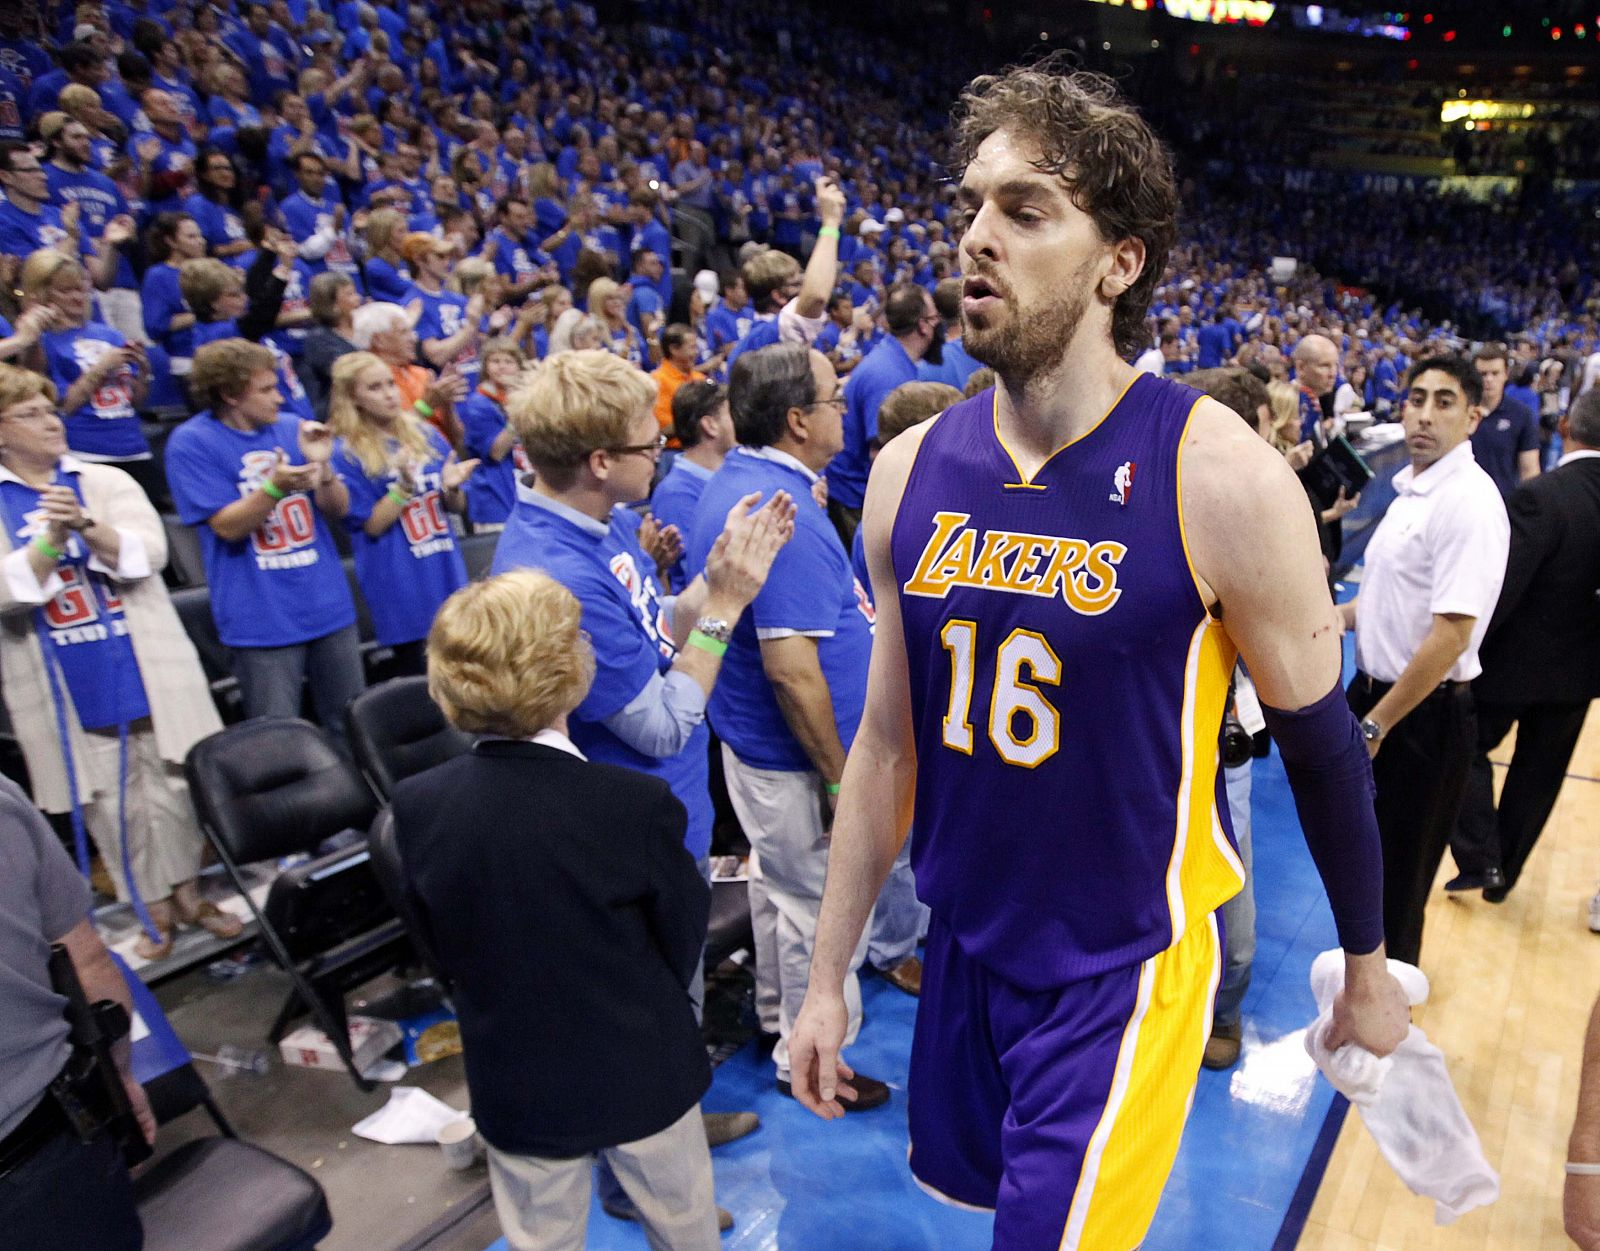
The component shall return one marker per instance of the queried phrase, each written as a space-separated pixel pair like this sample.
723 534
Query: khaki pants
783 816
543 1205
164 844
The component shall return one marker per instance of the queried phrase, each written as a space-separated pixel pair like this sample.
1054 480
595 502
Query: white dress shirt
1441 548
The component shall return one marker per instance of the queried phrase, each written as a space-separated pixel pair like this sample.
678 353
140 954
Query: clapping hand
316 442
447 389
34 322
663 543
291 478
147 149
406 472
742 556
455 472
819 492
119 230
62 512
1299 456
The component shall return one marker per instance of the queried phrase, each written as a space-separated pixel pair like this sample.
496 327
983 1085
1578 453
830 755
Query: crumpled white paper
1406 1100
411 1115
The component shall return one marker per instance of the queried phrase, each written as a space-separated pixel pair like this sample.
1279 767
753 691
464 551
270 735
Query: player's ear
1127 263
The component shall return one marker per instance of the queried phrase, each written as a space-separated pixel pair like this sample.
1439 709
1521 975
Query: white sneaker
1594 913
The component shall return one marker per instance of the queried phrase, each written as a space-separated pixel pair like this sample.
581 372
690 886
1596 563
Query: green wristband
425 408
274 492
706 643
831 787
393 494
828 232
43 544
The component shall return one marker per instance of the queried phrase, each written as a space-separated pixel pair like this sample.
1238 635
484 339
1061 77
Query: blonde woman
387 274
402 478
1284 399
101 682
608 302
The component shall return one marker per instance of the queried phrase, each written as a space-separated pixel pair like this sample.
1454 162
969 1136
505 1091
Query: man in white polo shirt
1433 572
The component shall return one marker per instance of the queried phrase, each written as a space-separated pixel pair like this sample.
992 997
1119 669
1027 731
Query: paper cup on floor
459 1142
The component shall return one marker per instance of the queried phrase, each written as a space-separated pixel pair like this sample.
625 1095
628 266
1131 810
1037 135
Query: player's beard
1030 341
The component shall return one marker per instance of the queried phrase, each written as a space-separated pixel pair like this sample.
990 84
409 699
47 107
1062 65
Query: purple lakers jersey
1067 689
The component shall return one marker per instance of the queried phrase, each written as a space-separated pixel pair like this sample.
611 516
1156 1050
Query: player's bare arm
874 810
1254 547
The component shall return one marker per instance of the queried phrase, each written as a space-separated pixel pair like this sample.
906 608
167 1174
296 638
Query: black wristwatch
1371 730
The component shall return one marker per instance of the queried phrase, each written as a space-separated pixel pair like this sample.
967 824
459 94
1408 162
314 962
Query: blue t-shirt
98 200
1501 437
492 489
955 368
725 327
387 282
412 567
883 369
624 616
281 585
220 225
443 315
84 619
811 590
105 426
305 217
674 502
24 233
163 300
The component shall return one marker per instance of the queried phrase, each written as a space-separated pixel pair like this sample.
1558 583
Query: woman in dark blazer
559 899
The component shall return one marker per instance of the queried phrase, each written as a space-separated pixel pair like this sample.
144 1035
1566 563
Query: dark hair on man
675 336
148 38
302 157
764 386
904 306
75 58
1458 367
1168 337
1235 388
947 299
691 402
1111 162
1493 352
1583 419
10 149
838 298
134 69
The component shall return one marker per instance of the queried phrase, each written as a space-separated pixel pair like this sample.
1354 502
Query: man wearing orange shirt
676 368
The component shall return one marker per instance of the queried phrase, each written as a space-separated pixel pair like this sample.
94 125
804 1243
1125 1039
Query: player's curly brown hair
1113 165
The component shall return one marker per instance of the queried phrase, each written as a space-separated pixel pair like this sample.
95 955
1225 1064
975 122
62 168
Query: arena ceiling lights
1212 12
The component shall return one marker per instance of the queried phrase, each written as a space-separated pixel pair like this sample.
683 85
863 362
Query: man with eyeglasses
916 332
794 679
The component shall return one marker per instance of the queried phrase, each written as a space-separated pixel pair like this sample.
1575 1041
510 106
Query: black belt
1371 684
46 1122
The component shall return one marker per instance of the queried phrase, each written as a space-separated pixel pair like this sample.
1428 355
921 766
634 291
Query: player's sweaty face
1030 258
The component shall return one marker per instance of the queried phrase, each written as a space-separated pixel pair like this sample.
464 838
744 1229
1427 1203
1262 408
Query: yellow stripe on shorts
1136 1141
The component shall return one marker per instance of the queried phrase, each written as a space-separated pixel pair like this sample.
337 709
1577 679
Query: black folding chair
396 730
275 787
216 1193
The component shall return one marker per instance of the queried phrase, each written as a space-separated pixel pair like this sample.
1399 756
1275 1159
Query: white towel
1406 1100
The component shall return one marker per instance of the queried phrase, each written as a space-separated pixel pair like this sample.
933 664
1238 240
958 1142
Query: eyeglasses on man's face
833 401
651 449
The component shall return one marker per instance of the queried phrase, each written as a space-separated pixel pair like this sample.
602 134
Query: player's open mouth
978 294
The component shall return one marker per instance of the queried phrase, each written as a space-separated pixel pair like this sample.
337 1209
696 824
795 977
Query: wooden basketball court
1512 989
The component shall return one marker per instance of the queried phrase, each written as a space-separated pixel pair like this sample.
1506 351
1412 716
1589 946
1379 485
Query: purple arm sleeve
1330 774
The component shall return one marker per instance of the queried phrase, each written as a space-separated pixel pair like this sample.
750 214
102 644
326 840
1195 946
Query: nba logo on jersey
1122 483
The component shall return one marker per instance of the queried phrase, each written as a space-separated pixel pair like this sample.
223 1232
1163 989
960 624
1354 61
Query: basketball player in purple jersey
1076 558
